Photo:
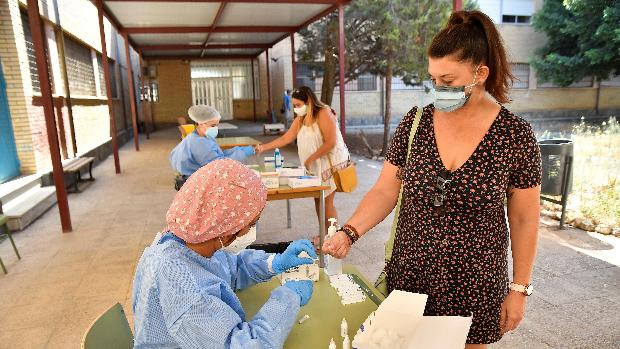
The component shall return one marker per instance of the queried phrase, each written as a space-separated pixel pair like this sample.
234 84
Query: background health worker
184 287
199 147
469 156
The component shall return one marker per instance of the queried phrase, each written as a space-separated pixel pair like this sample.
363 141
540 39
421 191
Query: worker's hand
512 311
303 288
338 245
290 258
258 148
248 150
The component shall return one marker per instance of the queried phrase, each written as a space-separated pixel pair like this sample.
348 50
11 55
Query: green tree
384 37
404 30
320 43
583 40
471 5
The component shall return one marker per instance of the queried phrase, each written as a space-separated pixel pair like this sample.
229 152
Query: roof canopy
212 29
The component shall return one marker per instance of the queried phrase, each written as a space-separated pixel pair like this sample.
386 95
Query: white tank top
309 139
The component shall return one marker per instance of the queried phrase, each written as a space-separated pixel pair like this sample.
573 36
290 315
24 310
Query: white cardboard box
304 182
291 171
401 322
270 180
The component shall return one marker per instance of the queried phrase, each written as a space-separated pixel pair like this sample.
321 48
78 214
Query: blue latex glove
248 150
290 258
303 288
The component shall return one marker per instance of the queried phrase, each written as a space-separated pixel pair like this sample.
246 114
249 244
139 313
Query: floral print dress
457 253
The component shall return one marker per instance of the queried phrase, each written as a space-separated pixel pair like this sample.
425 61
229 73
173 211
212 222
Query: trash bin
557 155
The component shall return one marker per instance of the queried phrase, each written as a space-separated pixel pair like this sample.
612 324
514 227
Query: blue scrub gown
195 151
184 300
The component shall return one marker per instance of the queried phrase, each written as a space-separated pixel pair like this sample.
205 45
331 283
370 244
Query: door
9 164
216 92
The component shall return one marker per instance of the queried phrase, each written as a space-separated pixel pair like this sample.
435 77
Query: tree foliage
384 37
583 40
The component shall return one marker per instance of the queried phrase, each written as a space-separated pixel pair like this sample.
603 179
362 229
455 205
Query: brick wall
91 118
16 73
175 94
92 123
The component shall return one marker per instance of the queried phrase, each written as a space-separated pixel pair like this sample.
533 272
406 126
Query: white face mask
241 242
301 111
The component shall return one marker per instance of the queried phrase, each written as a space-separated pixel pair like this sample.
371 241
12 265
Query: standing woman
319 142
469 155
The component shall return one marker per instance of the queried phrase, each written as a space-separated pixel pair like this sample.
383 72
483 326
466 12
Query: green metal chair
4 230
110 331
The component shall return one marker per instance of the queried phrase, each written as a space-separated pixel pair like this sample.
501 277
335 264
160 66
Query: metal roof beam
216 20
192 57
229 29
200 47
297 2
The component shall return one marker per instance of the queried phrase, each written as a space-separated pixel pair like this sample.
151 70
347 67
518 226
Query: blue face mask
212 132
451 98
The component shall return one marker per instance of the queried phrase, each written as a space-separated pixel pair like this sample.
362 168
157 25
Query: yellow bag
346 178
381 283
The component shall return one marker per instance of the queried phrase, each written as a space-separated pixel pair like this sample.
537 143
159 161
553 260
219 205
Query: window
399 84
32 58
364 82
79 68
516 19
239 72
112 68
367 82
306 75
521 71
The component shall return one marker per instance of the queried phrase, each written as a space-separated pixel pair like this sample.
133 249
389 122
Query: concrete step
13 189
28 206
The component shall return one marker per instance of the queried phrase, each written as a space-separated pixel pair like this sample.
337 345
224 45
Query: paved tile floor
64 281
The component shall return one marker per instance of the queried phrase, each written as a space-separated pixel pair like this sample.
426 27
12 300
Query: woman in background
320 144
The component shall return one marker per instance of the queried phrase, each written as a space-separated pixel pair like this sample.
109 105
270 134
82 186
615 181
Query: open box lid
402 313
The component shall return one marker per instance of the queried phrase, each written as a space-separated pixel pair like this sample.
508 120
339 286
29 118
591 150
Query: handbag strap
390 243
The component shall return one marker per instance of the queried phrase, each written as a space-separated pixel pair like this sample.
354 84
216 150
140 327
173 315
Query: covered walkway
64 281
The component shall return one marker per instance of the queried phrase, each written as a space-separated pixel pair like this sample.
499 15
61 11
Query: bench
75 168
271 128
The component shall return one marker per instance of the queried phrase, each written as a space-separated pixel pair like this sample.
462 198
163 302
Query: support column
253 89
34 19
67 92
146 104
132 93
269 104
106 77
293 61
342 67
457 5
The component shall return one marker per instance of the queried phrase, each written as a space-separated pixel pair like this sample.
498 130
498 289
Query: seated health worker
184 287
199 147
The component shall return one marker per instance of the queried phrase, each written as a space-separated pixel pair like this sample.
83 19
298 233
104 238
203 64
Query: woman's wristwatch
351 232
525 289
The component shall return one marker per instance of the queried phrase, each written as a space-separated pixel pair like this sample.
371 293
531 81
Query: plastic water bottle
278 158
333 265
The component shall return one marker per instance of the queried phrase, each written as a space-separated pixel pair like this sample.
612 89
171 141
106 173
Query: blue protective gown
195 151
183 300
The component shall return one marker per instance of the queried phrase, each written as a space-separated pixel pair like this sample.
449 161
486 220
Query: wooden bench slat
78 164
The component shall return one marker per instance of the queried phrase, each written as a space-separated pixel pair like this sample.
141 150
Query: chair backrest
186 129
181 120
110 330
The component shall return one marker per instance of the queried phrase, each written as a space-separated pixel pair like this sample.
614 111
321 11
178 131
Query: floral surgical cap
219 199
